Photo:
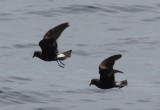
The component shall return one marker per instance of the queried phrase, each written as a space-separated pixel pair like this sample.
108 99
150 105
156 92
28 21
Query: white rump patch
118 83
60 55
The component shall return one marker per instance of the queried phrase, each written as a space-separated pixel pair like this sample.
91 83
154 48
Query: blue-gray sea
98 29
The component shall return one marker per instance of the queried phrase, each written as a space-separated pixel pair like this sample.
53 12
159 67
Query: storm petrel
107 74
49 46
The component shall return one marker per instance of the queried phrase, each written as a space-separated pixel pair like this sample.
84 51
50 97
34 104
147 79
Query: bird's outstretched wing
49 44
106 69
54 33
108 63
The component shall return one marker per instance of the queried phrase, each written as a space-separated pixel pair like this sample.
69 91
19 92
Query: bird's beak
33 56
90 84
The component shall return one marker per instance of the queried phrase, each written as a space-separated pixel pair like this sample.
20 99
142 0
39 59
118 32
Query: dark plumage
49 46
107 74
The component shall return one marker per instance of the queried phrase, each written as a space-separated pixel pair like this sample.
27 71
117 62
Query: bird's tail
121 84
124 83
67 53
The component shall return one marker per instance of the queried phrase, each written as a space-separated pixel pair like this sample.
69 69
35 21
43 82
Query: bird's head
36 54
94 82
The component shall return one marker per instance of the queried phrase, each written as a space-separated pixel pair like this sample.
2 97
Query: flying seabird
107 74
49 46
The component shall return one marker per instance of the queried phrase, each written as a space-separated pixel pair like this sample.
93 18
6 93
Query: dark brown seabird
107 74
49 46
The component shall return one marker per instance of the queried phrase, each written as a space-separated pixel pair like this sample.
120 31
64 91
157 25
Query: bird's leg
59 64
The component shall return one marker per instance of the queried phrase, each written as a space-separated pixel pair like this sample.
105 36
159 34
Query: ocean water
98 29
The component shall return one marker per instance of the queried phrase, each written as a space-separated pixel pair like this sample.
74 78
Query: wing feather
109 62
55 32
